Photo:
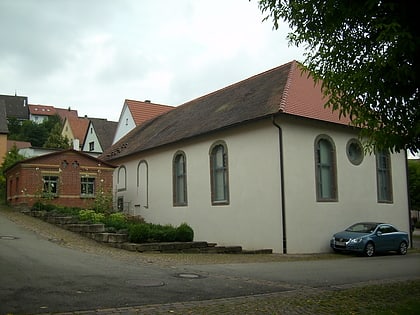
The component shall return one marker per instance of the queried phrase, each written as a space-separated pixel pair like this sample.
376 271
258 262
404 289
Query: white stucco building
261 164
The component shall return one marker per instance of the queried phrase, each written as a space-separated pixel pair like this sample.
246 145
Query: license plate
340 243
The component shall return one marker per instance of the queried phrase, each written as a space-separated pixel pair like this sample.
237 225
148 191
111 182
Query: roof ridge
237 83
285 95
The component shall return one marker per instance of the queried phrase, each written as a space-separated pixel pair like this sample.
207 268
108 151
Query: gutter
410 223
283 204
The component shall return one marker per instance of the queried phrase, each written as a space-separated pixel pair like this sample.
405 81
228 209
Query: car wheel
402 250
369 249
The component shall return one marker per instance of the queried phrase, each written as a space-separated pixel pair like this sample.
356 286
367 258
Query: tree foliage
11 158
414 183
46 134
366 54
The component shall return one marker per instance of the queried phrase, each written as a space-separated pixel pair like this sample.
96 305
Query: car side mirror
379 233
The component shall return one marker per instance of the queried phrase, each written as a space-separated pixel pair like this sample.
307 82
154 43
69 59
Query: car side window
383 229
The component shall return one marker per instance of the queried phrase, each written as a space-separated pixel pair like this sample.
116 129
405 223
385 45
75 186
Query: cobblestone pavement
294 301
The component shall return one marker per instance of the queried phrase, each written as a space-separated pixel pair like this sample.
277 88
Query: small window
122 178
50 185
92 146
87 186
354 152
219 177
383 177
179 179
325 165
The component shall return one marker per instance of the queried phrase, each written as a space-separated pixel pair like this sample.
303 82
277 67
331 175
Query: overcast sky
91 55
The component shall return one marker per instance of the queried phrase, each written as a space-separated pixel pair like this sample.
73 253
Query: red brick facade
67 178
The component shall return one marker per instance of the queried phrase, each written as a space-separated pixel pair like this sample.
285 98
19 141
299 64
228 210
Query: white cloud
93 54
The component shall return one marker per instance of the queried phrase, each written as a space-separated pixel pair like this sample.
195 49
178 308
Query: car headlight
355 240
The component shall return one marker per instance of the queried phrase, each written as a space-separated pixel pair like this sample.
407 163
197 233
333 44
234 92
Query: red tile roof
303 97
79 127
47 110
143 111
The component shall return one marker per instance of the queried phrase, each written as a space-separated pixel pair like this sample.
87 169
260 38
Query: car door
385 239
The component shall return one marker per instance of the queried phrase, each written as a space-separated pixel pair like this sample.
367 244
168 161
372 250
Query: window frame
224 170
179 179
91 182
321 166
384 189
46 182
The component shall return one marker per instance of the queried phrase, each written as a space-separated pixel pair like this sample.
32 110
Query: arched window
122 178
179 179
143 183
219 175
383 177
325 167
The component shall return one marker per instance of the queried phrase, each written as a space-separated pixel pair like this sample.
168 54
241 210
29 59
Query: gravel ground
302 301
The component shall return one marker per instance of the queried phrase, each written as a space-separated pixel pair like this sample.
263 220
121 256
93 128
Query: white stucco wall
91 137
125 124
253 218
310 224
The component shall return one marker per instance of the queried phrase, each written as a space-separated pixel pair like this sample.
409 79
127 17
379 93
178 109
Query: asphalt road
39 276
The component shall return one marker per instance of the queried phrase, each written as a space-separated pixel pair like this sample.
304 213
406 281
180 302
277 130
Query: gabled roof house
16 106
260 163
74 128
67 178
99 135
135 113
38 113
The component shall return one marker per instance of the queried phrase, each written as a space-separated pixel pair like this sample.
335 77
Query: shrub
40 206
138 233
184 233
91 216
118 221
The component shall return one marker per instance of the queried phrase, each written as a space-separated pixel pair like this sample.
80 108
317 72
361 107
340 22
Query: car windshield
362 228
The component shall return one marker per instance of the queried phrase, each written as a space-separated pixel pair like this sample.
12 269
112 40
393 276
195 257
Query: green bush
40 206
138 233
147 232
91 216
184 233
117 221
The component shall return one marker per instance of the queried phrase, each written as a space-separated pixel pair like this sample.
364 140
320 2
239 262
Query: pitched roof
105 131
18 144
282 90
41 110
61 152
16 106
3 118
143 111
79 127
48 110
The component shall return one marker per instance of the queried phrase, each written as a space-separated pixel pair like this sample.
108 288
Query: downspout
410 223
283 204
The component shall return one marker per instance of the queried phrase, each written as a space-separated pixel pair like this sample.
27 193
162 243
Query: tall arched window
219 175
325 165
122 178
179 179
143 183
383 177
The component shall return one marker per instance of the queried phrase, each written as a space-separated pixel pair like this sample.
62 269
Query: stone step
85 228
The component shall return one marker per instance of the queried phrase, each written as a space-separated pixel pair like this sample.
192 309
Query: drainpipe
283 204
410 223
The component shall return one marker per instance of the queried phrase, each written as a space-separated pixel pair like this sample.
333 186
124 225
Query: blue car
370 237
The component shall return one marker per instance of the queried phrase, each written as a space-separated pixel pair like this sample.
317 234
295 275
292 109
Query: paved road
39 276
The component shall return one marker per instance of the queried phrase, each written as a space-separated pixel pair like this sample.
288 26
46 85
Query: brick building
67 178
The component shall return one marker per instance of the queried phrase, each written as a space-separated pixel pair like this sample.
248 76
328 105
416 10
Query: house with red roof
66 177
261 164
38 113
135 113
75 128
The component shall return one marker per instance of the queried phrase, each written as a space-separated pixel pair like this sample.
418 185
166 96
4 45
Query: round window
355 152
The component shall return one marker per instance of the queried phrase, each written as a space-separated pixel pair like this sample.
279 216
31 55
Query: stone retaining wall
98 233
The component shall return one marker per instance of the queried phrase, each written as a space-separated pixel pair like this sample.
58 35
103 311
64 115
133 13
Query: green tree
414 183
34 133
366 54
56 139
12 157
